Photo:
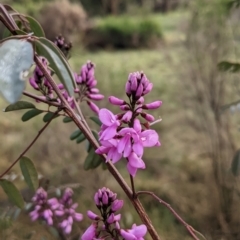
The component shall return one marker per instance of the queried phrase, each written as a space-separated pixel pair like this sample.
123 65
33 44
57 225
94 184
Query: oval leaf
12 193
89 160
49 116
67 120
104 166
58 63
97 160
96 120
29 172
81 138
30 114
18 106
35 27
235 167
88 146
75 134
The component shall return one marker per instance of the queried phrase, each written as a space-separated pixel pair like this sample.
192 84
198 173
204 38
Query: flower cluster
86 86
107 223
123 135
60 213
86 83
63 45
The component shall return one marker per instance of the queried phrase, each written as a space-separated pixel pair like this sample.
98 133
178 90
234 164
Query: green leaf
96 120
6 33
89 159
35 27
12 193
97 160
31 114
104 166
95 134
49 116
75 134
235 167
18 106
81 138
29 172
229 66
88 146
67 120
58 63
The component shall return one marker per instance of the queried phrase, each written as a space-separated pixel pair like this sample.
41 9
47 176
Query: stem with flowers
124 135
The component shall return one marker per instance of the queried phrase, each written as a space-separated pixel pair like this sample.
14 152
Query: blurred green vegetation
183 69
124 32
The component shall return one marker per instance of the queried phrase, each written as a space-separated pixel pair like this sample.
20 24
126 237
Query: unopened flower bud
148 89
105 198
96 97
92 215
117 205
116 101
127 116
152 105
148 117
110 219
93 107
96 199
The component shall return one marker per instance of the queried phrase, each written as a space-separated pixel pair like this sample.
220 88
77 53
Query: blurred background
178 44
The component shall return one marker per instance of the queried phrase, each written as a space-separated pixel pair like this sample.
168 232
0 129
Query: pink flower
110 124
136 233
90 233
134 163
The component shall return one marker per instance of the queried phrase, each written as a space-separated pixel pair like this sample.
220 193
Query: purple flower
110 124
90 233
137 85
109 147
62 210
136 233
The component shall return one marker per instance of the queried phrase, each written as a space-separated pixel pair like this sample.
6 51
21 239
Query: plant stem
133 187
30 145
189 228
37 98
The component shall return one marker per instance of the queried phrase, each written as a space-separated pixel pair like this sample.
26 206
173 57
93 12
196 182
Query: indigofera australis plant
122 136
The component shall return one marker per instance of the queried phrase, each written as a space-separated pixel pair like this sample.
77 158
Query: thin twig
133 187
189 228
37 98
30 145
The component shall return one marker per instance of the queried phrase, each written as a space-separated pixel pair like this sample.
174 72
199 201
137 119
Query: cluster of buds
86 83
63 45
40 83
123 135
60 213
86 86
107 223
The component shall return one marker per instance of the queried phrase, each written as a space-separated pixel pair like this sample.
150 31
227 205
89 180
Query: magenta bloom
90 233
110 124
136 233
